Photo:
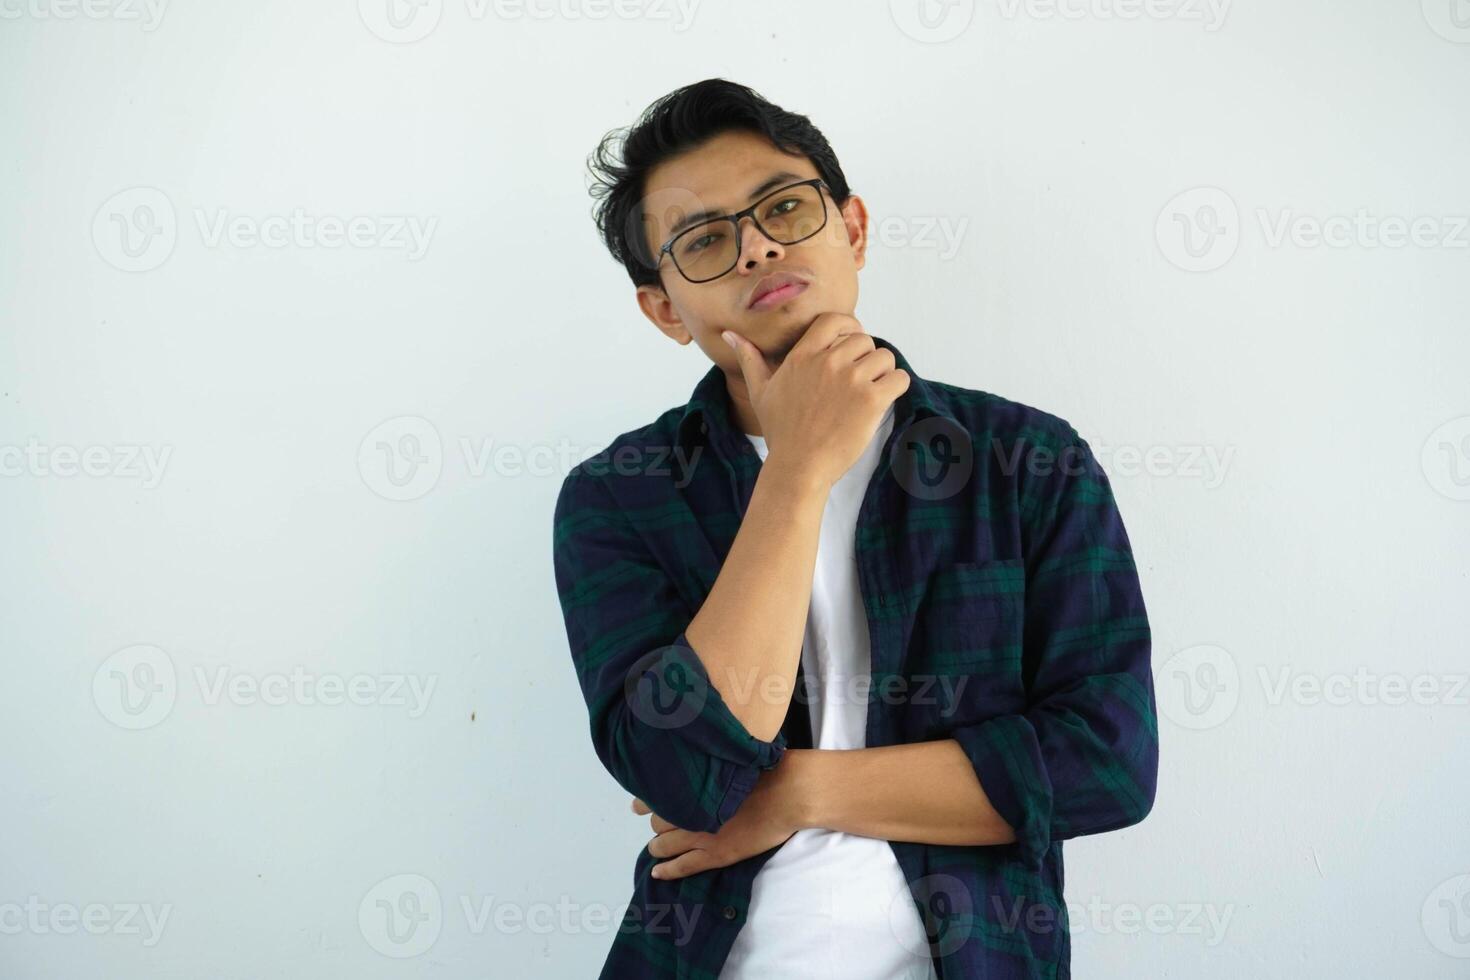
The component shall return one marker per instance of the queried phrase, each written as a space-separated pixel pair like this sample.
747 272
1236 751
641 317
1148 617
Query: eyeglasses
787 215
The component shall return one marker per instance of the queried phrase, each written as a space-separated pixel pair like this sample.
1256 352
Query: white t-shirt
829 905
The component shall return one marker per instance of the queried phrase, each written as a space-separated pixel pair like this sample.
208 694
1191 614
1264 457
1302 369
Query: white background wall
1303 520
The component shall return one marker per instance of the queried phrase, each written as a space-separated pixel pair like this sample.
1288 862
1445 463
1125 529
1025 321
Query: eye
776 208
699 243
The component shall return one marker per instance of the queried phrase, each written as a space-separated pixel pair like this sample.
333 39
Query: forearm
749 632
924 792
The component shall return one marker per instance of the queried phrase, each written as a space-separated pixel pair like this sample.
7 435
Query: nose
755 248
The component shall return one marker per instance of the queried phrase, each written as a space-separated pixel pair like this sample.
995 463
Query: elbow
1146 804
1136 812
656 767
1129 800
1143 779
1146 776
689 758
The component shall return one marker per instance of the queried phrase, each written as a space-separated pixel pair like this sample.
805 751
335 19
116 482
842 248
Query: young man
865 647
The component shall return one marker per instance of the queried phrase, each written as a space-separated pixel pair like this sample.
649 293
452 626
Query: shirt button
729 912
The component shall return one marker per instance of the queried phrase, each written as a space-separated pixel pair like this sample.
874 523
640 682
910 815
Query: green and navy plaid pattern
1004 610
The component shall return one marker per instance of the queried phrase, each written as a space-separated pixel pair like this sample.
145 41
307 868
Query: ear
656 305
855 220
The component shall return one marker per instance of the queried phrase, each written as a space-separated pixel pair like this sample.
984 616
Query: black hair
677 122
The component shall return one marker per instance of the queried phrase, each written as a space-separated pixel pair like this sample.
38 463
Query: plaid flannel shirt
1004 611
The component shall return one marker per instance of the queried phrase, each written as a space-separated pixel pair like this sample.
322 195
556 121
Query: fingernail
729 339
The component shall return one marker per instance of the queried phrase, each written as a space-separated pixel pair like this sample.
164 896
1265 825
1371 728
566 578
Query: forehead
717 176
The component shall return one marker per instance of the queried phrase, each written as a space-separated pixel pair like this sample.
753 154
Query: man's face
720 176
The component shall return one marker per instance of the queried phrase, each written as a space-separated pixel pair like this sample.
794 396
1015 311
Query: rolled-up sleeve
1083 757
657 723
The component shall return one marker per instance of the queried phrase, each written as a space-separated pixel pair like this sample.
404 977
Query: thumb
752 362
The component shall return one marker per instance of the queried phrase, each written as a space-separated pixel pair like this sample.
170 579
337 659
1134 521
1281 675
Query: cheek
840 286
701 312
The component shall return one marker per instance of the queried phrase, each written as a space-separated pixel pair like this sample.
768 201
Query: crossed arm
718 780
925 792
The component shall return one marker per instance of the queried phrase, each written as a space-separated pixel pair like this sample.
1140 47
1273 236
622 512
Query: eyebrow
769 184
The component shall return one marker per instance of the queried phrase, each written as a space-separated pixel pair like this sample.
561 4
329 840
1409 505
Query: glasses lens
792 214
787 216
706 251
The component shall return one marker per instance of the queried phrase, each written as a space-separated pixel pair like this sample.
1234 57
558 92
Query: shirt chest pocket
968 624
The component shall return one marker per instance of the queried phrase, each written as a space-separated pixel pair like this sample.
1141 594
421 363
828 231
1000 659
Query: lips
775 289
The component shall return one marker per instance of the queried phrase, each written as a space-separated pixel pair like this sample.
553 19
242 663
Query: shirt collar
708 411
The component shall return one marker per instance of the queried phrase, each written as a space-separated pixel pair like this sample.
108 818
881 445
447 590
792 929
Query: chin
794 315
785 337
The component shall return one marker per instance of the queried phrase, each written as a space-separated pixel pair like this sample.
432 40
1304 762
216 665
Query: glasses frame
736 218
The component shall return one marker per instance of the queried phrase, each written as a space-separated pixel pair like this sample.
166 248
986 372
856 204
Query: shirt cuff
724 735
1006 756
